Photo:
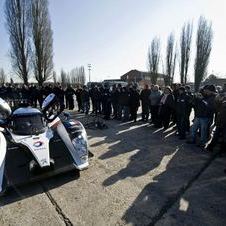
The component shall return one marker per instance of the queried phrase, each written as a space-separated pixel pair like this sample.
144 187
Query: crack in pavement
60 212
172 200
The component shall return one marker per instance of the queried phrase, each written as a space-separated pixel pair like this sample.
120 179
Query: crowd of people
160 107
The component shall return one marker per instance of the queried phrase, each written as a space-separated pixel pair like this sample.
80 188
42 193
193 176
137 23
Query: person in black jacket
124 102
182 111
204 110
145 103
106 98
166 108
69 94
92 97
59 92
34 95
190 95
85 100
79 98
114 100
134 103
220 130
96 100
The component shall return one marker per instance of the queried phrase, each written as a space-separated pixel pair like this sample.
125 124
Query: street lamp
89 68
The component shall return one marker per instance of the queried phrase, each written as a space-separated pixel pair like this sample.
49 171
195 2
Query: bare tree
82 76
174 65
11 81
2 76
17 25
63 76
153 59
54 77
203 49
170 60
185 51
43 41
77 75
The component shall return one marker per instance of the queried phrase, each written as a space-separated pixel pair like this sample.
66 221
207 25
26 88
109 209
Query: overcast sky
114 35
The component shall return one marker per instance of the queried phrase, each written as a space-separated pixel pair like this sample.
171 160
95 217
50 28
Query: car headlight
80 144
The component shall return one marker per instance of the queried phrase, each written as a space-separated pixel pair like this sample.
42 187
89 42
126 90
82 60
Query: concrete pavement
138 176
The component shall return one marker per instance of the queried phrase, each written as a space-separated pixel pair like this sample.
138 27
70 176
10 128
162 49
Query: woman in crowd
155 98
165 108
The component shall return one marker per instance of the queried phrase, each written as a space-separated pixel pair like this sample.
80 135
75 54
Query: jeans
125 113
145 111
202 124
86 107
181 125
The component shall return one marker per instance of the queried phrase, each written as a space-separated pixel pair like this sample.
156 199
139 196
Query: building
141 77
212 79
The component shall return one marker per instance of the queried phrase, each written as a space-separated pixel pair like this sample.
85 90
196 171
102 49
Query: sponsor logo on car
38 144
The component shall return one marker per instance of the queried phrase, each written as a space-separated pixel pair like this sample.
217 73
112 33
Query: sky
114 35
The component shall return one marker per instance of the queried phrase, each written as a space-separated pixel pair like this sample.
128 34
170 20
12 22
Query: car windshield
28 125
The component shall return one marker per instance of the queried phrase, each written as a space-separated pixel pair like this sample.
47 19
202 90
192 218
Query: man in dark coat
59 92
204 107
145 103
114 99
182 110
166 107
106 103
124 103
220 130
134 103
69 94
85 100
79 98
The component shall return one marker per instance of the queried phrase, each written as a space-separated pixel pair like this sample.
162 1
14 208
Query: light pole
89 68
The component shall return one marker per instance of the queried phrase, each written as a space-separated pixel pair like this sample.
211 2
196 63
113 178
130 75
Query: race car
35 144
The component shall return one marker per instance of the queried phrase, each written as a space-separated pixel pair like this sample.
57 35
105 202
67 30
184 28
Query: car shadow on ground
18 193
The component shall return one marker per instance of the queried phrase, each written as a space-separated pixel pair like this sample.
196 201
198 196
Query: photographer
204 108
220 130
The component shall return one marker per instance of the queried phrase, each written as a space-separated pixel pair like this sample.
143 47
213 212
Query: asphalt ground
138 175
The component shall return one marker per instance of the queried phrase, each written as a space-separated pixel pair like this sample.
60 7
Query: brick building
141 77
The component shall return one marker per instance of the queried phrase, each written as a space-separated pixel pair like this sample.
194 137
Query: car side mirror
51 107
